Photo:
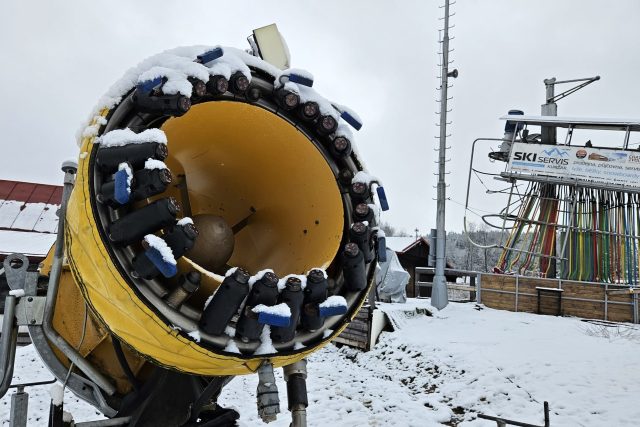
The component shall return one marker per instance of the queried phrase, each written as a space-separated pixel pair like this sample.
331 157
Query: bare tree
390 230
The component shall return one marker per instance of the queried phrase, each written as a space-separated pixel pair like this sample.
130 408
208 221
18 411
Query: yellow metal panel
237 158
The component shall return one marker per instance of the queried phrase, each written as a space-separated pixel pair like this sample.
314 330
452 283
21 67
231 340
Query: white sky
57 58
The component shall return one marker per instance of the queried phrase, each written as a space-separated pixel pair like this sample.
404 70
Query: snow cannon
210 233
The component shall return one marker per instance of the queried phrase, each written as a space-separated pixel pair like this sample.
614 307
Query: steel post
439 297
19 408
8 344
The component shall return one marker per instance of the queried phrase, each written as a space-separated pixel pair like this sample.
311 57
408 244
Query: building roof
399 244
28 220
35 245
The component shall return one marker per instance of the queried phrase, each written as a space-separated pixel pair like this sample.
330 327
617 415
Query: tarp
392 279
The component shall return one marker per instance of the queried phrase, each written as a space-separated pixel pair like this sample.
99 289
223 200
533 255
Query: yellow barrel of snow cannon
204 174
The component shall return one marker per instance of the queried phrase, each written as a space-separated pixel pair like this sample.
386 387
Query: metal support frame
120 421
20 403
41 331
52 292
8 343
293 372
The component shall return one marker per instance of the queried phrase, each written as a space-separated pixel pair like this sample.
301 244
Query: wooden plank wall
357 334
499 291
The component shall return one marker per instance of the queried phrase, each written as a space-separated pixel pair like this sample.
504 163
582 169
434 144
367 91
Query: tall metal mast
439 298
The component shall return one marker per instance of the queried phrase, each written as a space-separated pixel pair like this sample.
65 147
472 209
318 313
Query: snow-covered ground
444 370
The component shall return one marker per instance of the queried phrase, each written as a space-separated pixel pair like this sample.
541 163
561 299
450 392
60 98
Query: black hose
117 347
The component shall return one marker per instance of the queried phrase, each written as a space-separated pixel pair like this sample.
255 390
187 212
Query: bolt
30 299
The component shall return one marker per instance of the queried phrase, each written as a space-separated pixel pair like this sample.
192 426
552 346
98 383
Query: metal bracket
15 269
30 310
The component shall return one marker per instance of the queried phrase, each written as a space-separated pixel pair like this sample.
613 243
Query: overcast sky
380 58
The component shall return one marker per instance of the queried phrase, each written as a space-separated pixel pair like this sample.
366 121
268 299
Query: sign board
599 165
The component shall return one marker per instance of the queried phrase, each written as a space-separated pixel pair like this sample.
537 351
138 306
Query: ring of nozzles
135 236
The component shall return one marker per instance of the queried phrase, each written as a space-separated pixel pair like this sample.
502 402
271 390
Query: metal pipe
94 375
120 421
295 376
8 343
466 202
606 301
557 82
566 235
516 298
547 422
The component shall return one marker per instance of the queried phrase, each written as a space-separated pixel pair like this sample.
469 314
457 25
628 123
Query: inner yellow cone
244 162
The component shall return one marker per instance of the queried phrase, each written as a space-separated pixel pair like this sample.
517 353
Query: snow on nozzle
148 86
278 315
335 305
314 293
264 291
122 186
292 296
299 77
351 120
301 80
210 55
359 192
158 258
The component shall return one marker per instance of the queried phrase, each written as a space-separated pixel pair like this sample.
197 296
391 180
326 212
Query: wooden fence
553 296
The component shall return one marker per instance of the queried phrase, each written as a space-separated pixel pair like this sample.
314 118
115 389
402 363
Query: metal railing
503 422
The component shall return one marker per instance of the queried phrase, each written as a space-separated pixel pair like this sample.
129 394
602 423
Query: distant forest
460 251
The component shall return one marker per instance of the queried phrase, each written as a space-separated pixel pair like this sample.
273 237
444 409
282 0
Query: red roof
27 206
28 220
29 192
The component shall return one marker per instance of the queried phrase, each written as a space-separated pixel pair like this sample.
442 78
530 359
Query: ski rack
574 187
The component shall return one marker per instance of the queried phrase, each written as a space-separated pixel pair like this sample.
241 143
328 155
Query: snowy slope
443 370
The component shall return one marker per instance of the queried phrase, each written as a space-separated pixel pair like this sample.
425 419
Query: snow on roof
25 242
399 244
27 206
